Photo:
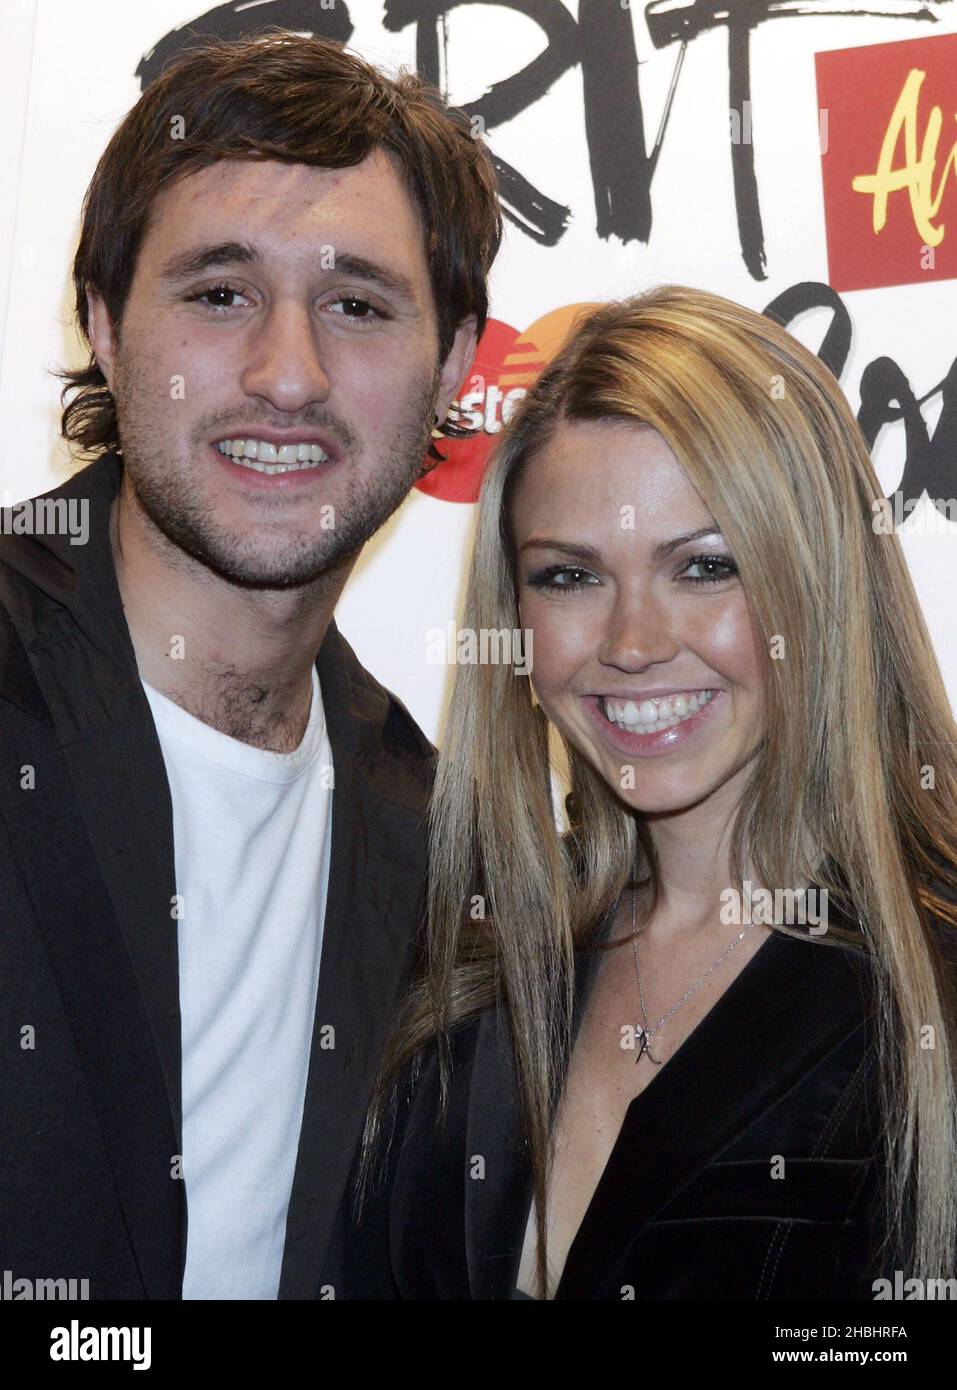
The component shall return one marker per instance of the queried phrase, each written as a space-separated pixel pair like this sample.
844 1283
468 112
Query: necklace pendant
643 1038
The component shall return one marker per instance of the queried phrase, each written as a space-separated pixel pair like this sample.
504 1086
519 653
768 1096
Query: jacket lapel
374 905
89 847
70 620
497 1208
793 1003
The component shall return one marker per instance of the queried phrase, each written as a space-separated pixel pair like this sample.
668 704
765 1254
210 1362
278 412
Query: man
211 816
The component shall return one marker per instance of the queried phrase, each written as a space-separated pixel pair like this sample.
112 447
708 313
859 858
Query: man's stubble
168 493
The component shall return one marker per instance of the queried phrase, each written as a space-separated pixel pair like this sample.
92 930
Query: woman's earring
436 432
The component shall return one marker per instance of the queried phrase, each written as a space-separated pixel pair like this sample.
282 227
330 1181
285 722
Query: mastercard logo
506 364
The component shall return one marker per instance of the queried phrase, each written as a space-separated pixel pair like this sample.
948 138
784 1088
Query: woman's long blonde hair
857 717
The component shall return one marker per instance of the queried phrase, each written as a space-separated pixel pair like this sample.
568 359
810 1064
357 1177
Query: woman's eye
714 568
560 578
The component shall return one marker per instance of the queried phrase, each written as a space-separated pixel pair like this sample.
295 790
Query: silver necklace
644 1034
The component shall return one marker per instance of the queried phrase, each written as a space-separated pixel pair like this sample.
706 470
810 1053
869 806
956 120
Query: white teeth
650 716
264 457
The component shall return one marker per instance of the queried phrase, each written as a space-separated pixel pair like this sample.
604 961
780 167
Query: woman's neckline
723 1001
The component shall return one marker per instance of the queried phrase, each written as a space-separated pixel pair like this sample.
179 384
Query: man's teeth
650 716
264 457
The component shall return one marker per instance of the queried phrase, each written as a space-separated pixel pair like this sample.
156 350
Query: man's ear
100 332
456 365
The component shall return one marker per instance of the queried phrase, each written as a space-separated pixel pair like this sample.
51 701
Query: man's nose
638 633
285 367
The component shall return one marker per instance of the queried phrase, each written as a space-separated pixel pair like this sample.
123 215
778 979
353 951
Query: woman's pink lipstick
650 745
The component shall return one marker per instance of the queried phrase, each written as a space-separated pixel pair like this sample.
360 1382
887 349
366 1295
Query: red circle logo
506 363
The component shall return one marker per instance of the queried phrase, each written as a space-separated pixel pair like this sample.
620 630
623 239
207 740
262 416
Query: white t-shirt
252 837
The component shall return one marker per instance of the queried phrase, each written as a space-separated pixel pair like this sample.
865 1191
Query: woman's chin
661 802
654 790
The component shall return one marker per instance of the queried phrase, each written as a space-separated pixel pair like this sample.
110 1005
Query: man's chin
268 549
253 564
272 571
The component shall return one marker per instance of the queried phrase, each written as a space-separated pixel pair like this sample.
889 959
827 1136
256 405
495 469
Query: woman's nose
638 634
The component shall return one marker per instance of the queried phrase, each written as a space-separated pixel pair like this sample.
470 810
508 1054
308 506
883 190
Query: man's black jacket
90 1061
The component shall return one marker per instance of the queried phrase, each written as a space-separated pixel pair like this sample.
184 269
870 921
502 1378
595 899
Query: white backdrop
69 77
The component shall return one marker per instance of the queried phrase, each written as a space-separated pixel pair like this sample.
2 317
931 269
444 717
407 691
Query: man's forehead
378 166
271 204
280 186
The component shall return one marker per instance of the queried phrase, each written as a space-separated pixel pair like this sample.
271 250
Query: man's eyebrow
199 258
350 264
580 551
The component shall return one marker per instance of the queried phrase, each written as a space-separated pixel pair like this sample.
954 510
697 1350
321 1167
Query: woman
616 1080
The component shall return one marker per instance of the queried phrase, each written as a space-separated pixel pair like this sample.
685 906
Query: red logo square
889 146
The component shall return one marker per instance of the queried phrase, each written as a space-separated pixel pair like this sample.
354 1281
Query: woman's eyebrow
579 550
588 552
666 548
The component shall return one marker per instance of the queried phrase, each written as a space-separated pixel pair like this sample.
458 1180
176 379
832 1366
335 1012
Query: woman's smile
648 728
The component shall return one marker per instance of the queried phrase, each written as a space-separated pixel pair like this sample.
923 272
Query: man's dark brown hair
282 96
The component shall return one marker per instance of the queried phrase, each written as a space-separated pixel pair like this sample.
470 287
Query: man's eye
215 292
560 578
356 308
